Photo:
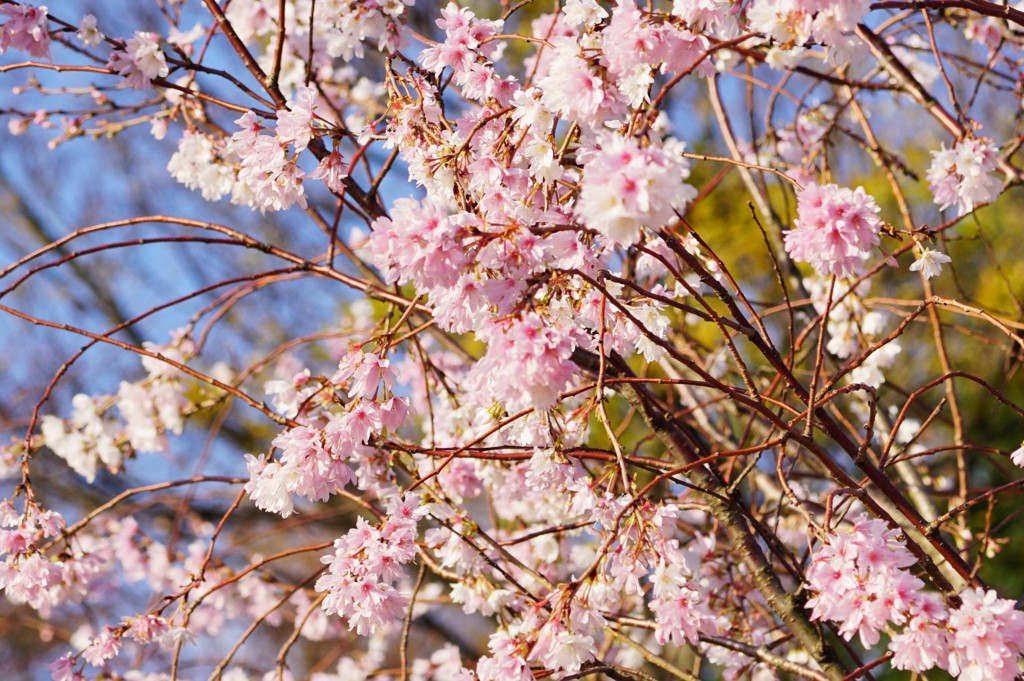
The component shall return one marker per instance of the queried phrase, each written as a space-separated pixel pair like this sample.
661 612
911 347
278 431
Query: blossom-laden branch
572 410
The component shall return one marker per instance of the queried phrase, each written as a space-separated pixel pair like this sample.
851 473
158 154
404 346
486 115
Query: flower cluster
257 169
316 456
141 60
87 439
795 22
367 560
835 229
468 50
627 187
150 409
552 356
681 612
963 176
196 165
421 243
633 46
25 30
860 581
528 362
269 179
26 574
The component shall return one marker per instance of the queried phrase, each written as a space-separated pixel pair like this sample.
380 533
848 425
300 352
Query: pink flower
986 637
681 613
583 12
797 21
321 473
631 43
572 88
295 124
835 229
628 40
922 645
454 18
307 467
269 179
528 362
859 580
394 412
63 668
419 243
464 44
506 662
682 50
680 618
146 628
560 649
141 61
476 82
332 170
627 187
88 33
271 485
503 668
103 647
366 562
702 14
25 30
32 579
372 371
291 396
250 128
353 426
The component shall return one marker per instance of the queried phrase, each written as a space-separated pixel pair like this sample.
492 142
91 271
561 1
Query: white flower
271 485
1017 457
147 55
653 323
930 263
872 370
88 33
583 12
87 439
963 175
570 651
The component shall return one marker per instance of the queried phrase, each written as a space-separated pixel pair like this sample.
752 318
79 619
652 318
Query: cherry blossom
88 32
835 229
332 171
1018 456
583 12
295 125
860 581
627 187
366 562
519 366
25 29
930 263
141 61
962 176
